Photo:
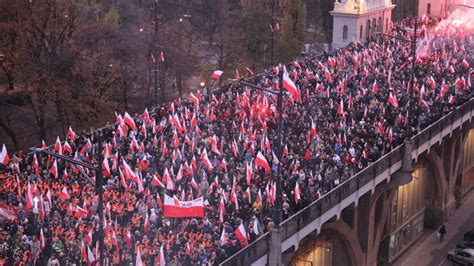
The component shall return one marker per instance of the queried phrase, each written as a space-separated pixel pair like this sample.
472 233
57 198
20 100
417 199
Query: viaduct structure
374 216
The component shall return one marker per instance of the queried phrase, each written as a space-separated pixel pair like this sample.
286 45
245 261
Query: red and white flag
290 86
42 241
217 74
174 208
129 121
262 162
297 193
64 195
451 100
162 256
444 89
105 167
241 234
54 169
71 134
392 99
4 159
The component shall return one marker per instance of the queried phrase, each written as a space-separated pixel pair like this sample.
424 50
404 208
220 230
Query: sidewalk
428 250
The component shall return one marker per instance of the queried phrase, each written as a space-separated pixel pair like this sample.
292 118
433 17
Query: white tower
359 20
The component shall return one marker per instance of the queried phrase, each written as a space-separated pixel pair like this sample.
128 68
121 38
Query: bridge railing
290 226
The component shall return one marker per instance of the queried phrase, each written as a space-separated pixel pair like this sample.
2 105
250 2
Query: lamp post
404 176
275 241
273 33
98 187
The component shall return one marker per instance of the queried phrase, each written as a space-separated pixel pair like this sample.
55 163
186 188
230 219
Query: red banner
8 212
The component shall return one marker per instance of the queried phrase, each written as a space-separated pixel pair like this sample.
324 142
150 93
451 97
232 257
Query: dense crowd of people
353 109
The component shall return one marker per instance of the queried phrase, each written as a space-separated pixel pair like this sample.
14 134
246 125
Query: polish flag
193 98
64 195
122 180
217 74
90 256
127 238
249 173
81 212
313 129
241 234
224 165
146 115
297 193
206 161
290 86
390 135
4 156
285 150
58 147
451 100
146 224
262 162
129 174
88 237
71 134
105 167
465 64
328 75
233 198
423 103
67 148
193 183
392 99
83 251
444 89
375 88
129 121
174 120
162 256
156 182
432 82
29 198
54 169
340 108
173 208
42 242
223 238
247 193
65 174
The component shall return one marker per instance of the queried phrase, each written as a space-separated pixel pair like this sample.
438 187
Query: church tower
360 20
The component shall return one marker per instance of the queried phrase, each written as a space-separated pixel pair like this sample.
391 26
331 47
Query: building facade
360 20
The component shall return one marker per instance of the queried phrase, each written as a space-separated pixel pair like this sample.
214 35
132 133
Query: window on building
386 25
344 32
361 31
428 9
379 24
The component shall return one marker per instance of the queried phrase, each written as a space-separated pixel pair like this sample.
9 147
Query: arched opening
328 248
428 9
344 33
361 32
368 30
379 24
386 25
465 179
374 26
415 206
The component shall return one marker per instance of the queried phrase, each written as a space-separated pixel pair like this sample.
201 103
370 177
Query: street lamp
275 232
404 176
98 187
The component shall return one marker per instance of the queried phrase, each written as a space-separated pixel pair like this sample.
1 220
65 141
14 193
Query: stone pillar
275 246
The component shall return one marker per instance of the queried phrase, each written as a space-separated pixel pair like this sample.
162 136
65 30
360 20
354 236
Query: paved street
428 250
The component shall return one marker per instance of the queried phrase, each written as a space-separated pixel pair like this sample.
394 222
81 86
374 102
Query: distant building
360 20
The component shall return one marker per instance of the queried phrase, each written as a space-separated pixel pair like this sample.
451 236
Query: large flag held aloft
174 208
